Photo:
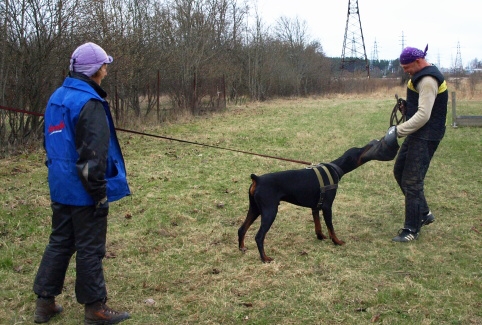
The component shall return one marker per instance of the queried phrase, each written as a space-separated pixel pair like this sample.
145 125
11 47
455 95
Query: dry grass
175 239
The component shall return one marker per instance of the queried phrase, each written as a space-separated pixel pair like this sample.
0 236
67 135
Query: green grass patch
175 239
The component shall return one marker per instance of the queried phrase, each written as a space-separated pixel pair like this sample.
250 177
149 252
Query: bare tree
31 55
189 49
293 34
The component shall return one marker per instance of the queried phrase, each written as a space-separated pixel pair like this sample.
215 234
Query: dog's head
379 150
352 158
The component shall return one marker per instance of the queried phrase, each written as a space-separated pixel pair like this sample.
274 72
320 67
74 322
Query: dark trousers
410 169
74 229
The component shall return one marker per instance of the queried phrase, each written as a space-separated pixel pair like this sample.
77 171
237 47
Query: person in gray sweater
424 128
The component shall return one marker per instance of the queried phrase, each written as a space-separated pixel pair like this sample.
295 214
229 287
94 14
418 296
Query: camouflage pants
410 169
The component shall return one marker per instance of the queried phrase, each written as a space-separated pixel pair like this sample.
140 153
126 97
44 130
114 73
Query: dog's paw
267 259
339 242
320 236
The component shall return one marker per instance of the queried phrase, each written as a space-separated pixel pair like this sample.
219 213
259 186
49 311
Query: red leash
211 146
20 111
173 139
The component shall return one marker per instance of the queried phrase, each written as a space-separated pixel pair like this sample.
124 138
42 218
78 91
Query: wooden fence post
454 110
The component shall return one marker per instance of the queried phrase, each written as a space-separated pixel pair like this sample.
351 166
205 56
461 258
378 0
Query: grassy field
172 246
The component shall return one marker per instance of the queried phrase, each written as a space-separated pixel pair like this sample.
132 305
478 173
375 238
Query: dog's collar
338 170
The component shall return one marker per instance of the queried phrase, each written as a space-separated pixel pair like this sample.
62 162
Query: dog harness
331 184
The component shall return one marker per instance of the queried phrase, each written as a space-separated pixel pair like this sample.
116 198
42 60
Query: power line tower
458 67
356 58
374 62
375 52
399 69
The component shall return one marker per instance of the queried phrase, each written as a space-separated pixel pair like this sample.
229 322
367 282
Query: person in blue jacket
86 171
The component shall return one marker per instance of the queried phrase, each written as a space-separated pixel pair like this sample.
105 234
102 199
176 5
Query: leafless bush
179 48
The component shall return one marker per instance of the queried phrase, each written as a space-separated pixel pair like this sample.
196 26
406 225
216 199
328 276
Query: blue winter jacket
84 158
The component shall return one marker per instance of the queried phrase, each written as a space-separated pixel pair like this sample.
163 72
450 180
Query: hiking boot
99 313
405 235
45 309
427 219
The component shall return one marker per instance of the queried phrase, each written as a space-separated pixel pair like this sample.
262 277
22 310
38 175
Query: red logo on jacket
56 128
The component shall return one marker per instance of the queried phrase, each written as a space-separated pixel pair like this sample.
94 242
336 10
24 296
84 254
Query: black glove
391 136
102 208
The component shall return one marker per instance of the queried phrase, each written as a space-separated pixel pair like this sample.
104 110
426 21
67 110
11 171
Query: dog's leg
316 219
253 214
327 215
267 218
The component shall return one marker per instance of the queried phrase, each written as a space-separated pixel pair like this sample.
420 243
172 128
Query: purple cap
88 58
410 54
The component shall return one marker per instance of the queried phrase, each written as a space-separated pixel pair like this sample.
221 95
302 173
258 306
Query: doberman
305 187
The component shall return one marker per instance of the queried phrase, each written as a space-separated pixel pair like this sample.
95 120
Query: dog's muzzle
381 150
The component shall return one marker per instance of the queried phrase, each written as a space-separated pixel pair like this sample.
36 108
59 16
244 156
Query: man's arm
427 89
92 144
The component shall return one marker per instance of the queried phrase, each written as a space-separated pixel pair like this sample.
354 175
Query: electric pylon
356 59
458 66
374 53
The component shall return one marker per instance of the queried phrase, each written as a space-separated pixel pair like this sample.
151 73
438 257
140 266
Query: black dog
306 188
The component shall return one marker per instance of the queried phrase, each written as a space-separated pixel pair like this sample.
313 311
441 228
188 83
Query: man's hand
102 208
391 136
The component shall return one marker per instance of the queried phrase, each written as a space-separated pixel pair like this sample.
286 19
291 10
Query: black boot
45 309
99 313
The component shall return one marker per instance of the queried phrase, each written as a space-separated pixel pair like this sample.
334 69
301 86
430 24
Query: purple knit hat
88 58
410 54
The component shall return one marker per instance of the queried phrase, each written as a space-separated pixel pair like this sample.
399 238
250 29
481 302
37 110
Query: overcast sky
442 24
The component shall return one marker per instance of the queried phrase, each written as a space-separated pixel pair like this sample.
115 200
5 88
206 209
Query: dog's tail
252 188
